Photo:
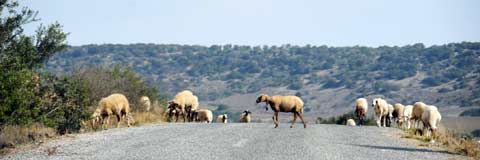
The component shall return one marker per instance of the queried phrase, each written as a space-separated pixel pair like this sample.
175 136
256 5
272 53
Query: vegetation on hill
223 70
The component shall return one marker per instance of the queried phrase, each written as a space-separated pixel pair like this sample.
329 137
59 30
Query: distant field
462 124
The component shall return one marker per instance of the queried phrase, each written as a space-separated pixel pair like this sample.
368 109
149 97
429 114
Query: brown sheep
284 104
116 104
361 108
246 117
184 103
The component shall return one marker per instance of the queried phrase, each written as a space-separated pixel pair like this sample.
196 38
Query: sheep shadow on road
404 149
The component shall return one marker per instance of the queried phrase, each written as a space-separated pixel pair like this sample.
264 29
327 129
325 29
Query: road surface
235 141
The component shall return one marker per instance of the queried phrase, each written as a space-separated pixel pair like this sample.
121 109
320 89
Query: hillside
327 78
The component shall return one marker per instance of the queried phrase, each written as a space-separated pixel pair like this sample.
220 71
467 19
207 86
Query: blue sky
263 22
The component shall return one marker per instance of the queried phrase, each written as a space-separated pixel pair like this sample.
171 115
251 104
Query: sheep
398 113
222 118
381 110
418 108
431 119
202 115
184 103
350 122
245 117
284 104
361 108
407 115
145 102
116 104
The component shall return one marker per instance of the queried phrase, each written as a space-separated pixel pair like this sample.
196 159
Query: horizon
369 23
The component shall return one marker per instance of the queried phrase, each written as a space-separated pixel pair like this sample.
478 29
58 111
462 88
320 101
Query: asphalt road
235 141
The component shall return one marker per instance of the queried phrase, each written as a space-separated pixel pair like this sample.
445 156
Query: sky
263 22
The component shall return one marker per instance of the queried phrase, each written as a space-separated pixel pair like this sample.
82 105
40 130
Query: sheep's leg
275 119
119 119
384 121
294 119
360 119
379 118
176 116
303 120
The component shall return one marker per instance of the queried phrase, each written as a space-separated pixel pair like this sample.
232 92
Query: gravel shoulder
235 141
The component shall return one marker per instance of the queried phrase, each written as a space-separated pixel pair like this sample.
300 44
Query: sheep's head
247 112
171 112
96 117
262 98
224 118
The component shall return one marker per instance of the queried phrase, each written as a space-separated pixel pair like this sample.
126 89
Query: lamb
407 115
418 108
202 115
284 104
350 122
116 104
381 110
361 108
185 103
222 118
398 113
245 117
145 102
431 119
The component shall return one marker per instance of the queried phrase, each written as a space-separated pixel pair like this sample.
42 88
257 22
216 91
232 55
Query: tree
26 95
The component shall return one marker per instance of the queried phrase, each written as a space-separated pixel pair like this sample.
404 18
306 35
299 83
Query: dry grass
449 140
13 136
154 116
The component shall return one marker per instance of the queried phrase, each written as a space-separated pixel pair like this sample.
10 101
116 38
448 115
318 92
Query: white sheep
407 115
381 110
222 118
115 104
398 113
431 119
361 108
203 115
351 122
184 103
145 102
418 108
245 117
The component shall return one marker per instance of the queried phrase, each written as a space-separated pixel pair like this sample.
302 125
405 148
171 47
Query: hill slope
327 78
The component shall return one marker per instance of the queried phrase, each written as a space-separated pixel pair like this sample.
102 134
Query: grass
453 142
157 114
13 136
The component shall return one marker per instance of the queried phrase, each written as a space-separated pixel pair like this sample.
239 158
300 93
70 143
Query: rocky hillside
327 78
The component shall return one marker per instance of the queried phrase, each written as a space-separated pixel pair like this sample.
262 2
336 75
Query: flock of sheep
186 105
404 116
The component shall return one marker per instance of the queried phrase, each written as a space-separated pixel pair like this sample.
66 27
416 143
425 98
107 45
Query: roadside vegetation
36 104
451 141
342 119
